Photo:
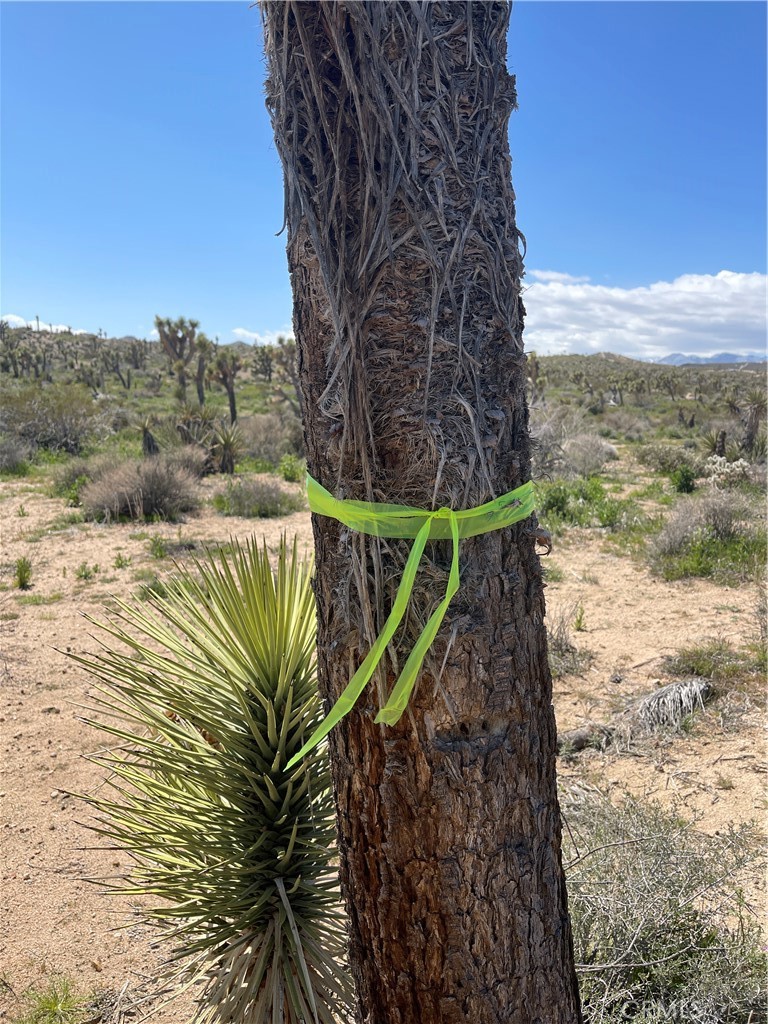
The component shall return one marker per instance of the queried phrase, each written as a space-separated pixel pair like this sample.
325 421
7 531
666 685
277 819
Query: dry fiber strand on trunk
391 121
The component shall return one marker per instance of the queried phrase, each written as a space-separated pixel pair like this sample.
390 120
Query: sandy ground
53 921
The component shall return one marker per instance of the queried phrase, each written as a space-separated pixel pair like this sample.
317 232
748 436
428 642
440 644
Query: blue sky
139 176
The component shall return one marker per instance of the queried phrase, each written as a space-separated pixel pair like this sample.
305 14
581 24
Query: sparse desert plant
22 574
59 417
269 436
583 503
683 479
586 455
22 512
158 547
666 458
662 932
191 458
55 1003
86 572
565 658
70 478
257 499
292 469
151 489
715 659
121 561
718 535
236 853
14 456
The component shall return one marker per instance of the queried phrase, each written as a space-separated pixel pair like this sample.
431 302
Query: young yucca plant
211 693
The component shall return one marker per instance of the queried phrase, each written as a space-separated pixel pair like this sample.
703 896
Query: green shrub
235 853
292 469
151 489
22 574
57 417
718 535
683 479
713 659
158 547
257 499
86 572
57 1003
583 503
661 929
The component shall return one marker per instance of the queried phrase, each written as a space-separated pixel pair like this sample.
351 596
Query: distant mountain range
678 359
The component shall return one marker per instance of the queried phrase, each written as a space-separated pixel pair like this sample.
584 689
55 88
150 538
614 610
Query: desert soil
56 922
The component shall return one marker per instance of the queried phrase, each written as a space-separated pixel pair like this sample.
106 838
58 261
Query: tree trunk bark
391 121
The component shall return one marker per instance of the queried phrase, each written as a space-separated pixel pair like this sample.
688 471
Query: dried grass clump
562 444
14 456
267 437
669 707
257 499
666 458
586 455
719 516
190 458
565 658
152 489
662 932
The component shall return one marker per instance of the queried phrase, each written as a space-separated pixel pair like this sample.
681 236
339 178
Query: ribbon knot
399 521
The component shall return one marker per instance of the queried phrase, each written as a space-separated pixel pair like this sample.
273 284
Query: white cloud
696 314
19 321
557 276
262 337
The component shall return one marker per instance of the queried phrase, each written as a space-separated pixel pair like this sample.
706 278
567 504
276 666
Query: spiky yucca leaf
211 690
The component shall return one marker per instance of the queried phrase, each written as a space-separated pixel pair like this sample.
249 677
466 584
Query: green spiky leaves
208 694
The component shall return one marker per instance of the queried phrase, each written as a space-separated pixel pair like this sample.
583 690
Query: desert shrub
58 417
586 454
292 469
713 659
565 658
583 503
190 458
683 479
257 499
267 437
22 574
717 535
14 456
624 423
661 930
71 477
150 489
666 458
550 430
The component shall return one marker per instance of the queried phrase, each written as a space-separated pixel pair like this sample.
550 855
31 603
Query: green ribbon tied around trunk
401 521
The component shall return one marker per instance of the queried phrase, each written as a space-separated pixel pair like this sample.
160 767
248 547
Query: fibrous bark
391 121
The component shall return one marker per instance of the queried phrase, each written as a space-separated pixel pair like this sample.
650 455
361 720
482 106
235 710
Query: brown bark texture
391 121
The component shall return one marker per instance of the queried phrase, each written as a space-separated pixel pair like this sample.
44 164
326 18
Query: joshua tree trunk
391 121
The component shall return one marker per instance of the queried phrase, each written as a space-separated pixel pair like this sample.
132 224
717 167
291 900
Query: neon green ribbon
400 521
